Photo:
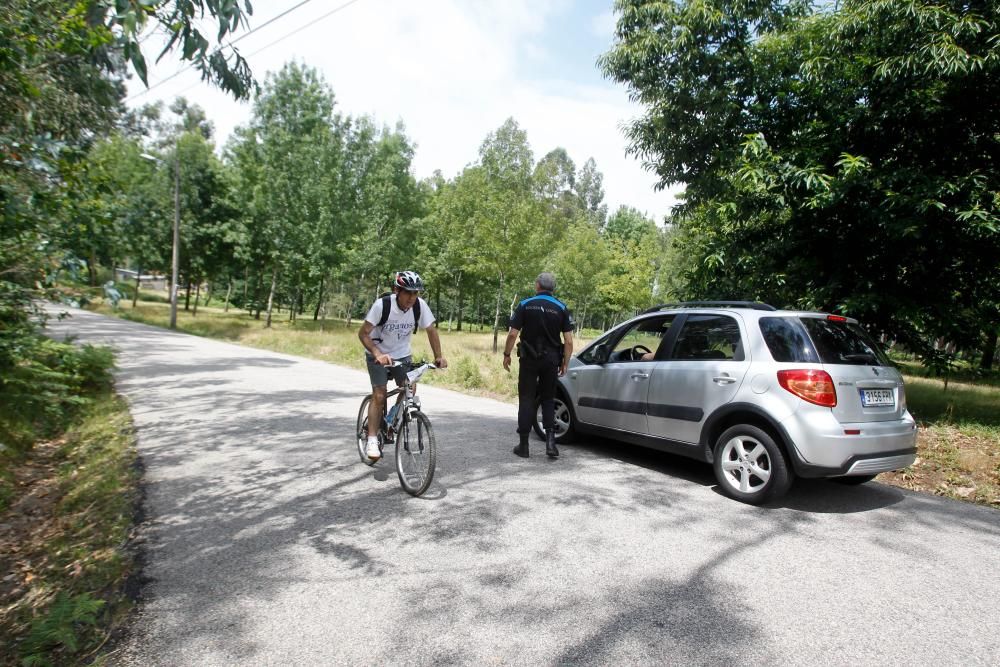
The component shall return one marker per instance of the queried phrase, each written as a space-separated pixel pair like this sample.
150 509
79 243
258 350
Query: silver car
761 394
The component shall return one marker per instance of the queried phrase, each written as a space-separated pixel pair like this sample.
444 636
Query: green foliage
42 384
74 548
467 373
842 157
57 629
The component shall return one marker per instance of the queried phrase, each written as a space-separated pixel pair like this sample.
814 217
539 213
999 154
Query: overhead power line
303 27
246 34
280 39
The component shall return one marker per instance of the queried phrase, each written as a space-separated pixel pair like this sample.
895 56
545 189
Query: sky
451 71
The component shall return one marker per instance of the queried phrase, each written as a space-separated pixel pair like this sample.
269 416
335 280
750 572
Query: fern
57 628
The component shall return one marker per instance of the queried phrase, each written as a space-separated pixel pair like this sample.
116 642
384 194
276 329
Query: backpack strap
387 306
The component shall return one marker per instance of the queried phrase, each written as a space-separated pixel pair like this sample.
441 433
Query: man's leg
547 392
376 408
527 388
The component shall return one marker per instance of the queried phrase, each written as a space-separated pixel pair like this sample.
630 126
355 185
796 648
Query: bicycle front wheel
416 453
362 431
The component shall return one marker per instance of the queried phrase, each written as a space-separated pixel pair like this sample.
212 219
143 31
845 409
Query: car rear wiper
860 356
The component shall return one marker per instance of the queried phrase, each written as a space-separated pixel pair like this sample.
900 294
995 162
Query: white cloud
452 71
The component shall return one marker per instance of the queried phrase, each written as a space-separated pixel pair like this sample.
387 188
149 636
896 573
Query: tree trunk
92 269
989 351
197 294
229 292
461 301
187 297
496 315
138 281
270 297
319 300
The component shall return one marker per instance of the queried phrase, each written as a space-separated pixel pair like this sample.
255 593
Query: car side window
709 337
641 341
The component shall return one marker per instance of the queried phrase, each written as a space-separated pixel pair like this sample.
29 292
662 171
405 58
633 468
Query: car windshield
840 342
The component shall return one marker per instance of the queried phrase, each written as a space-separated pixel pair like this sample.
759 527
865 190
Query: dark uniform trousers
537 379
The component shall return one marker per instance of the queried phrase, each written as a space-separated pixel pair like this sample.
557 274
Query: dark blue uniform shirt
541 320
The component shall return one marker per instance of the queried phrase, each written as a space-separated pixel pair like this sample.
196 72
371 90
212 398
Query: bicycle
416 452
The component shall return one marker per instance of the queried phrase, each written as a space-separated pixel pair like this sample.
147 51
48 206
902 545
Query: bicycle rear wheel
416 453
362 432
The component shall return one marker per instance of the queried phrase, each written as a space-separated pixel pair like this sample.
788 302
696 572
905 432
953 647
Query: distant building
146 281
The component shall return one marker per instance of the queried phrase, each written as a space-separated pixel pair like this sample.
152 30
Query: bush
467 371
42 382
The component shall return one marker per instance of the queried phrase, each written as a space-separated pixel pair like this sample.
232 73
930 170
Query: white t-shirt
393 337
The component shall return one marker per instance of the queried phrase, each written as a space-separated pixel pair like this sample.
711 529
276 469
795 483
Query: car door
611 387
702 372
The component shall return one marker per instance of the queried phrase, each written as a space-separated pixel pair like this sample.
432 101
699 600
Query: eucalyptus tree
578 262
503 236
555 185
590 190
385 200
292 191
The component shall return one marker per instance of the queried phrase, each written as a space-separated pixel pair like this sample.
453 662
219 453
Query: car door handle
723 379
639 376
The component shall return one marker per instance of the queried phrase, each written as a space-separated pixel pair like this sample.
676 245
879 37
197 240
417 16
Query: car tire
564 420
853 480
749 465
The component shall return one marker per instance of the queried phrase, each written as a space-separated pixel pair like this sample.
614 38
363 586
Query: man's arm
567 351
435 341
364 335
508 346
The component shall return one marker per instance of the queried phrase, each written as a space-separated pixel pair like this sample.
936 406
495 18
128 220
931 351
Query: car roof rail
755 305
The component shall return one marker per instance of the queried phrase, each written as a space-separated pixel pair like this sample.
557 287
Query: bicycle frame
410 399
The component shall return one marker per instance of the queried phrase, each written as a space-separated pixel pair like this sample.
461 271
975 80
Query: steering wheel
635 354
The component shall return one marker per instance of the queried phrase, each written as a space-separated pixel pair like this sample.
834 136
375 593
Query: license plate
871 398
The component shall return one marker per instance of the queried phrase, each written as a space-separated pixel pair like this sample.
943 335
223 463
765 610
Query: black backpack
387 306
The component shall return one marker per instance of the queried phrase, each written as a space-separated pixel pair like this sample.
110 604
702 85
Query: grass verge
63 537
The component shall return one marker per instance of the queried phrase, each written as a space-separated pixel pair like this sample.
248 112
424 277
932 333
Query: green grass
70 562
473 366
963 404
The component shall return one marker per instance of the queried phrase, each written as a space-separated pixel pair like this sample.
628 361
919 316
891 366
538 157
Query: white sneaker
371 449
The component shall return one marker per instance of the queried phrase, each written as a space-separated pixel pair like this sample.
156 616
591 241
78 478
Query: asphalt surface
268 542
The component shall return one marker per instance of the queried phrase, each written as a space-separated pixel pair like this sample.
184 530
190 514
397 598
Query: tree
590 188
843 159
62 65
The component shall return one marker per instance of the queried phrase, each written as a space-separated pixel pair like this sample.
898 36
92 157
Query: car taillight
810 385
836 318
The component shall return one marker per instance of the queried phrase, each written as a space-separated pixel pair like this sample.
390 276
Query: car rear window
843 343
787 339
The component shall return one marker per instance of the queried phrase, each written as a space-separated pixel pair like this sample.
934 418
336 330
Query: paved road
268 542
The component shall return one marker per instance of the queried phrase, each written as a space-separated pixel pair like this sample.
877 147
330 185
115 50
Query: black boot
550 444
522 448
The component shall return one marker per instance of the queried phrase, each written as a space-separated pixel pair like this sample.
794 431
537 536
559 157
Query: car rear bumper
878 464
821 446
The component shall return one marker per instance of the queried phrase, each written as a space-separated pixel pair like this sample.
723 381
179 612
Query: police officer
540 320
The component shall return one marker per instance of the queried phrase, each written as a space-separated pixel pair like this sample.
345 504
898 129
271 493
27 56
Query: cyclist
386 334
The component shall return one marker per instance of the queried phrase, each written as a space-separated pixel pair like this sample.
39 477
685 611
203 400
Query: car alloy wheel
563 423
749 466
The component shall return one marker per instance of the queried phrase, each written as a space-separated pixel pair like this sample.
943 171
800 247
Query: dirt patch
27 526
953 464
